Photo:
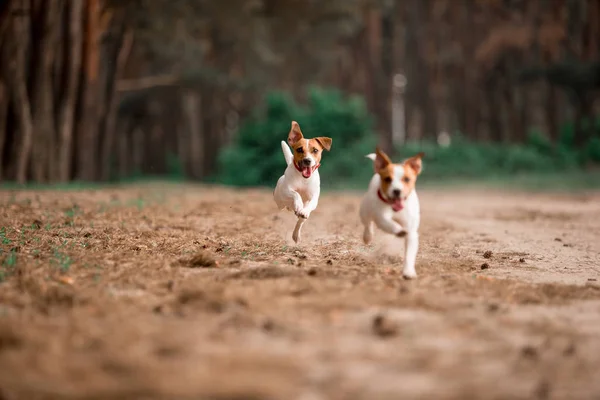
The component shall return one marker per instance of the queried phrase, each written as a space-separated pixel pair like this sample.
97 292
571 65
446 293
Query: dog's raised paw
409 274
302 214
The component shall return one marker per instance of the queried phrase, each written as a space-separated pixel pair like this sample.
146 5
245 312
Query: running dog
299 187
392 204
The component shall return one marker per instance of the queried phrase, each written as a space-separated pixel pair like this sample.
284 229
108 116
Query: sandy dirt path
188 292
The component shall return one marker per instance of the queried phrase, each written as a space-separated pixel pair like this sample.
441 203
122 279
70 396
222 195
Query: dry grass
187 292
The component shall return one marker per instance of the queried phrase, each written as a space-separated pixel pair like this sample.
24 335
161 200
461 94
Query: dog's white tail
372 156
287 153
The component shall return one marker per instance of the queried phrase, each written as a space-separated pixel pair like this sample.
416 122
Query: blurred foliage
255 158
465 159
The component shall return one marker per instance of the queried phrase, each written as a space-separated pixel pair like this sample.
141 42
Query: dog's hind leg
297 229
368 232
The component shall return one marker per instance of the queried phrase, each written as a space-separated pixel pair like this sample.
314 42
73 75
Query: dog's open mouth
306 172
397 204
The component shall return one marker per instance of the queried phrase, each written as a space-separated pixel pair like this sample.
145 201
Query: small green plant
22 238
139 203
63 261
60 259
11 259
8 265
3 238
73 211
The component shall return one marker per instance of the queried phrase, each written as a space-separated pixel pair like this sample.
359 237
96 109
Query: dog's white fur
296 193
407 220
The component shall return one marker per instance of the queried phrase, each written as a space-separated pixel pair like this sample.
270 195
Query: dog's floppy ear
381 159
416 163
325 142
295 133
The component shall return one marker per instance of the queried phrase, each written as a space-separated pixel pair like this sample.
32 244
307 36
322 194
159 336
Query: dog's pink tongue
397 205
306 172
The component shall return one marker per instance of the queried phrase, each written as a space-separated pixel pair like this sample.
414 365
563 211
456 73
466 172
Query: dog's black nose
306 162
396 193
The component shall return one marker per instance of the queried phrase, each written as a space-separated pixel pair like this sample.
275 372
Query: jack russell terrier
299 187
391 203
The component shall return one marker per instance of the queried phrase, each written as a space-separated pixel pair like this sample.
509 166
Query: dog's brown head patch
397 176
306 148
385 168
412 169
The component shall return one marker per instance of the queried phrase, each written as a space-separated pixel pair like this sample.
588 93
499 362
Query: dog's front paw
409 273
296 236
302 214
367 237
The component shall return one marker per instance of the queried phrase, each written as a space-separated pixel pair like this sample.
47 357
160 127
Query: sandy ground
185 292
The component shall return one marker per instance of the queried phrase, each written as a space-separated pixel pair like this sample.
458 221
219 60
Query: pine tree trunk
386 76
183 146
4 102
552 113
43 115
67 112
193 110
123 43
471 114
18 87
493 110
138 150
124 149
88 127
418 89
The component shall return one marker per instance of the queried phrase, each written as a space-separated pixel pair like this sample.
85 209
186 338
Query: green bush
255 158
592 150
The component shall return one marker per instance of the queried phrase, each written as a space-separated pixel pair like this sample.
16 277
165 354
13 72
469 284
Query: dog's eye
315 151
406 179
387 179
300 150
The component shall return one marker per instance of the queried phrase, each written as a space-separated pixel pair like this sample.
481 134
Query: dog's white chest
305 188
304 192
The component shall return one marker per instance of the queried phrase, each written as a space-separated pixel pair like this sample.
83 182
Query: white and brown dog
392 204
299 187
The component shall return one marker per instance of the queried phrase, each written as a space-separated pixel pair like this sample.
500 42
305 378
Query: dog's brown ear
416 163
325 142
381 159
295 133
